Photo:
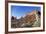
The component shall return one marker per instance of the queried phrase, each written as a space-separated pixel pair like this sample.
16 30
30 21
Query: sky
18 11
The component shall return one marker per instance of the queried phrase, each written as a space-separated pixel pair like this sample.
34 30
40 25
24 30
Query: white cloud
18 17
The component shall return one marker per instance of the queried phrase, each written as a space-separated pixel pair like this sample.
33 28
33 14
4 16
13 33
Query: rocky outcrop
30 20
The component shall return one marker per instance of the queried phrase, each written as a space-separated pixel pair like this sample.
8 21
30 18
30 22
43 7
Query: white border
23 29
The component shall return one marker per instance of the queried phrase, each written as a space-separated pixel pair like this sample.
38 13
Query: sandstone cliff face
30 20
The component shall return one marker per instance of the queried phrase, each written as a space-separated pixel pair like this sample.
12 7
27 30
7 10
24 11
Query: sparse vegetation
32 20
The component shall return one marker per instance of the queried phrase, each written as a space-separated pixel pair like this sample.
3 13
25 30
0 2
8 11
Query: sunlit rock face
31 19
31 16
